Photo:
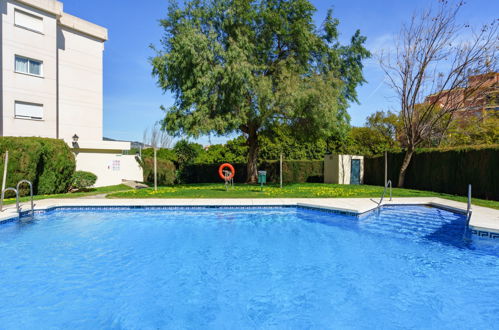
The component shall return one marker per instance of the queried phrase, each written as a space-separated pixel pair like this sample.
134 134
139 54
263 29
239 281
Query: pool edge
484 221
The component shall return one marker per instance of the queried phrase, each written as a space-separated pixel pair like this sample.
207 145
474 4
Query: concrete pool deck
483 219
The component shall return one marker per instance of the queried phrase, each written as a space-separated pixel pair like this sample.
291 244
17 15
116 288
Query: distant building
484 98
51 85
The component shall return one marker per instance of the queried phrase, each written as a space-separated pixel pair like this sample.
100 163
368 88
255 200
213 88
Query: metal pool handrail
30 192
388 183
17 197
469 210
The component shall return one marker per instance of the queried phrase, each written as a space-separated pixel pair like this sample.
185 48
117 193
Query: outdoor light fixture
75 141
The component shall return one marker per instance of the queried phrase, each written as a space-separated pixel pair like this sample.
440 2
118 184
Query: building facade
51 85
479 98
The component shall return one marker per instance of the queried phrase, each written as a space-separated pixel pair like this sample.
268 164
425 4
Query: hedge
83 179
166 171
48 163
445 171
293 171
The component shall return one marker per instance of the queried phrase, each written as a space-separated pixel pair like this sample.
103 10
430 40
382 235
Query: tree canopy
429 72
247 65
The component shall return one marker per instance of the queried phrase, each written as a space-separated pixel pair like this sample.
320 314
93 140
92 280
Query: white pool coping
482 219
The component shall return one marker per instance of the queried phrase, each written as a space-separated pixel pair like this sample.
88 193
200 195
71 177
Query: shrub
208 173
443 170
58 166
48 163
82 179
293 171
161 153
166 171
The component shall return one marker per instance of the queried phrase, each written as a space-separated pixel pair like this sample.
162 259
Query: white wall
101 164
80 85
21 87
70 88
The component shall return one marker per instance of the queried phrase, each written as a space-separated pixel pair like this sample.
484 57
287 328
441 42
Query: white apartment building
51 85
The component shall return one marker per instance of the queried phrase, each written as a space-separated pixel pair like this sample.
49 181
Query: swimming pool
277 267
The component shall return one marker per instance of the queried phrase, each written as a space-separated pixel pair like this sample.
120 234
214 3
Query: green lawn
89 192
217 190
305 190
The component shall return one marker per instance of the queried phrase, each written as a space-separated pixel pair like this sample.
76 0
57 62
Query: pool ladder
388 184
469 210
16 191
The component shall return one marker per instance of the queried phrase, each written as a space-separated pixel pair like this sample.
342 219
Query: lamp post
75 144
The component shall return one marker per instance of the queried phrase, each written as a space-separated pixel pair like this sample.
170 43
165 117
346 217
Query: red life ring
221 171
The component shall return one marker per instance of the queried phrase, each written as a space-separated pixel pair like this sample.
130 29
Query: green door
355 172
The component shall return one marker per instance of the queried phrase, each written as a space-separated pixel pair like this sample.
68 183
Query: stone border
484 221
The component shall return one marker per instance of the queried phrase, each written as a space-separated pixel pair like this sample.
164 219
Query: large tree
246 65
429 70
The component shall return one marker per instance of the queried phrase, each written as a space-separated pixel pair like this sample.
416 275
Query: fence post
280 171
386 167
469 197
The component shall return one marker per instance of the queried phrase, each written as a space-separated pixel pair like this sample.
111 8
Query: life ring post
227 172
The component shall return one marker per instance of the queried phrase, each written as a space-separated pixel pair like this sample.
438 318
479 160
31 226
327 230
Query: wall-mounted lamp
75 141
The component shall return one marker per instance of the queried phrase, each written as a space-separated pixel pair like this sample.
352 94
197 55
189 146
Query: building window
116 165
25 110
28 21
28 66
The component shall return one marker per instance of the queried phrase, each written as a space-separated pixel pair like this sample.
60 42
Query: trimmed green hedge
293 171
57 167
445 171
166 171
48 163
83 179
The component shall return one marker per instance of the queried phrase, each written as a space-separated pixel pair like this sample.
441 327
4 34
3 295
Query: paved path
483 218
99 196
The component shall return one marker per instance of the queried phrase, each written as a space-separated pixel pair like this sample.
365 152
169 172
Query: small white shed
343 169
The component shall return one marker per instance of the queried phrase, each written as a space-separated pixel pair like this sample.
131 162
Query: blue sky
132 100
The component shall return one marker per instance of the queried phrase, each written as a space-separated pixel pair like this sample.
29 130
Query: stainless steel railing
469 210
16 191
17 198
388 183
30 192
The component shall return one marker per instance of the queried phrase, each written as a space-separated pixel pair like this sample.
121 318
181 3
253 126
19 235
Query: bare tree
156 138
429 70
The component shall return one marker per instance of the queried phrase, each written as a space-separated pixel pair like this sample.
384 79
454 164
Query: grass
304 190
217 190
88 192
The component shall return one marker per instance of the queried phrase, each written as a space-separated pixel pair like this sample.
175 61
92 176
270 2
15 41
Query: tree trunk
405 165
252 156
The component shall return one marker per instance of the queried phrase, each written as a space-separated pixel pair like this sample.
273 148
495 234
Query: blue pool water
238 268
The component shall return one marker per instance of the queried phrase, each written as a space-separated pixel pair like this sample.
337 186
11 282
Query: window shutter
28 21
29 110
